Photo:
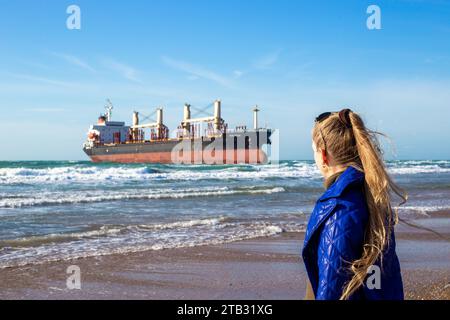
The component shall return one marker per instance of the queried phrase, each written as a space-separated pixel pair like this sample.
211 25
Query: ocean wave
423 209
128 239
92 173
77 197
108 230
71 174
419 162
418 169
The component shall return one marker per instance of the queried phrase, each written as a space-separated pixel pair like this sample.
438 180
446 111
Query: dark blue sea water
64 210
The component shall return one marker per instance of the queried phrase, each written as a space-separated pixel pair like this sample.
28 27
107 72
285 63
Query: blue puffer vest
335 236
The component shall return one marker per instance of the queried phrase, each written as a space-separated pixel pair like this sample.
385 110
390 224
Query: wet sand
264 268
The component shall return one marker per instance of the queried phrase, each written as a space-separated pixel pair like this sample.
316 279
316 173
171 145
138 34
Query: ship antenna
109 108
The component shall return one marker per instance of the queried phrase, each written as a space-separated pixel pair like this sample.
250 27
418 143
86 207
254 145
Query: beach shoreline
260 268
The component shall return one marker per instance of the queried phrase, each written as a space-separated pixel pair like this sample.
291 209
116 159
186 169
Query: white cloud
238 73
124 70
192 77
74 61
45 110
267 61
42 80
196 71
35 65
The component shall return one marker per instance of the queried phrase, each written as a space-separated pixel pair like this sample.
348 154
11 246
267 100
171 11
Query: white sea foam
73 197
71 174
109 230
99 174
81 173
91 174
138 238
418 169
423 209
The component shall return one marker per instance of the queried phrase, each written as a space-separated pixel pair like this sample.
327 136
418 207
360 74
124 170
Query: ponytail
352 144
378 187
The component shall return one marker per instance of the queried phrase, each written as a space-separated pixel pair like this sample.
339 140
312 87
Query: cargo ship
203 140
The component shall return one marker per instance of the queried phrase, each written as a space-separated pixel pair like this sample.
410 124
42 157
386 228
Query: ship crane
203 110
155 124
161 129
216 119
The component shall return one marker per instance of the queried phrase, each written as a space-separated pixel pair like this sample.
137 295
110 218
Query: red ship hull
233 148
249 156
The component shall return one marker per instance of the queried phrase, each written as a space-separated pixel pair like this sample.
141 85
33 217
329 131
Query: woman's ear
324 157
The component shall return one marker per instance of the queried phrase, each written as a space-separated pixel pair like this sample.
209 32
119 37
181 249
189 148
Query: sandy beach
263 268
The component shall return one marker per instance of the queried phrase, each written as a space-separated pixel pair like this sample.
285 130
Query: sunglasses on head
343 117
323 116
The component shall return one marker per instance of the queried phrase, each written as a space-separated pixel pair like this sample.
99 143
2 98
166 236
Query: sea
63 210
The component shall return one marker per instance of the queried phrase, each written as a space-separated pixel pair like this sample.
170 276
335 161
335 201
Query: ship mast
108 108
255 117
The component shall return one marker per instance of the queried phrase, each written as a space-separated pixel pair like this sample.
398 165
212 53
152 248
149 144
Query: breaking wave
108 240
90 173
91 196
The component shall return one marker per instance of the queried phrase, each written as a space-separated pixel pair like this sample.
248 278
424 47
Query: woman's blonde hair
344 136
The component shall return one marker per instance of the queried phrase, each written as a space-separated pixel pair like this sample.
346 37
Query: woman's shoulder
347 192
342 206
347 213
350 210
346 224
351 179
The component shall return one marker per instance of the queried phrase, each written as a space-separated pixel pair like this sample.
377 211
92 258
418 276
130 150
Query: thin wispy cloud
45 110
238 73
192 77
262 63
267 61
196 71
124 70
42 80
74 61
35 65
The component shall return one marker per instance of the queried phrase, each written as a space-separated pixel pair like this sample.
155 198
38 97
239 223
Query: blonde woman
350 236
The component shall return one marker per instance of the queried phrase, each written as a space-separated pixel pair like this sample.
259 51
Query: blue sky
295 59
